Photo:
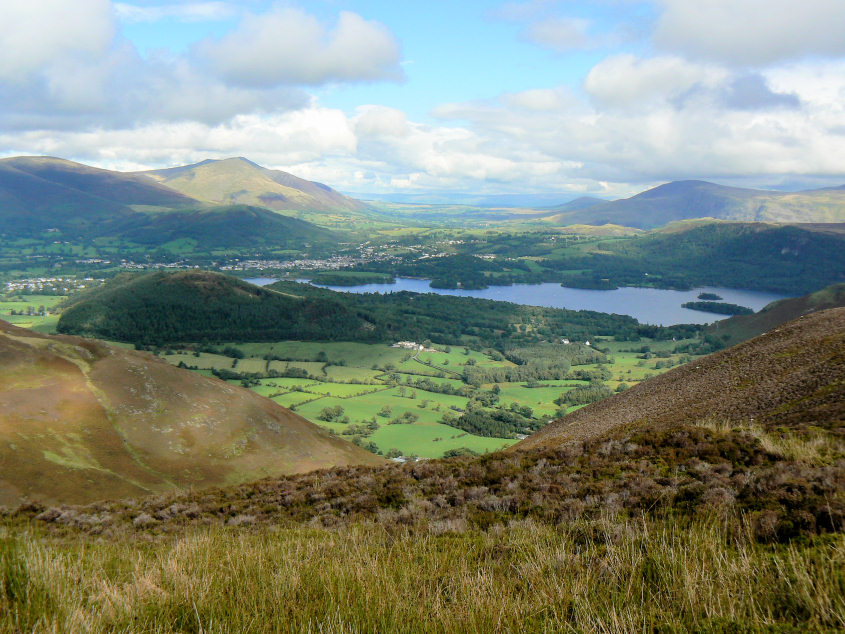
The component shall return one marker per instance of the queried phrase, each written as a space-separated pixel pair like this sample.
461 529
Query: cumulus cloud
72 71
289 46
627 81
752 32
78 30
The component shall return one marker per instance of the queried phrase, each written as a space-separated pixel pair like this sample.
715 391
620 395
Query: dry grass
602 576
811 447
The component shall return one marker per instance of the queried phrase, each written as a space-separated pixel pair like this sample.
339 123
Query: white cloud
289 46
35 33
752 32
627 81
189 12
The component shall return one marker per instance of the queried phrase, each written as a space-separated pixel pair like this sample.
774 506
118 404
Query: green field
375 382
22 303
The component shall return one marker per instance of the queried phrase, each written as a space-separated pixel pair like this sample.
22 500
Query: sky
604 98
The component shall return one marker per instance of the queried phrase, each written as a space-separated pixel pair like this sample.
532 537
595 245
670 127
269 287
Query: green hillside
789 259
200 306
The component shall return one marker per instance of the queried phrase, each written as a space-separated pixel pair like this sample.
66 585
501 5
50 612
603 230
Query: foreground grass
605 575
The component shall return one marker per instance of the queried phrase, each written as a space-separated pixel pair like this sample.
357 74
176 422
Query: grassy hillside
741 327
239 181
82 420
699 199
683 518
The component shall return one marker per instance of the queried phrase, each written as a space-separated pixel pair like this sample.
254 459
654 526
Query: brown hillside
239 181
741 327
792 376
81 420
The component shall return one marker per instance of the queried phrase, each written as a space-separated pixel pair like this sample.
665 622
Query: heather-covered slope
81 420
793 376
741 327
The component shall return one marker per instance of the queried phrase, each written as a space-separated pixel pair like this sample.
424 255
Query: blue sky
604 97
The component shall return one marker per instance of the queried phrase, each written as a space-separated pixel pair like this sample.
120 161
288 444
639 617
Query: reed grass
605 575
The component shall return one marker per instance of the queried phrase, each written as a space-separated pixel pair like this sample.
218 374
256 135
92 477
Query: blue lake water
647 305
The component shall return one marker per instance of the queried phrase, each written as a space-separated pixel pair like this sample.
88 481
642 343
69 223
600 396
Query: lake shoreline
649 305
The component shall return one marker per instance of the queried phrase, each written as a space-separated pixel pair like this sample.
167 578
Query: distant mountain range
683 200
40 193
218 203
82 420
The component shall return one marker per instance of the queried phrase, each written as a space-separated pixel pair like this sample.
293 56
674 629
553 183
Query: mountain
197 306
790 377
741 327
682 200
40 192
82 420
582 202
239 181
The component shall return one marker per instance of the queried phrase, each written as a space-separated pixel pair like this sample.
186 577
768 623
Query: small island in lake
718 307
710 297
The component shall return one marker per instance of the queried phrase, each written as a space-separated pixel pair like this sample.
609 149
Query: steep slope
682 200
741 327
41 192
239 181
793 376
161 307
81 420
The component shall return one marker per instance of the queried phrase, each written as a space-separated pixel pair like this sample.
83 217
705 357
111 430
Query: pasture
376 382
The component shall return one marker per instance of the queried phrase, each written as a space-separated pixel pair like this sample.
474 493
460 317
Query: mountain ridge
688 199
238 180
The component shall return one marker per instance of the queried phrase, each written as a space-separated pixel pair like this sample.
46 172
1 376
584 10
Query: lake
647 305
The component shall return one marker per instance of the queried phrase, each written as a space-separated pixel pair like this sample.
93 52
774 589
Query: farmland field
394 400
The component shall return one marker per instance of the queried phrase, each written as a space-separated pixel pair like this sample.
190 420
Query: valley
153 400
